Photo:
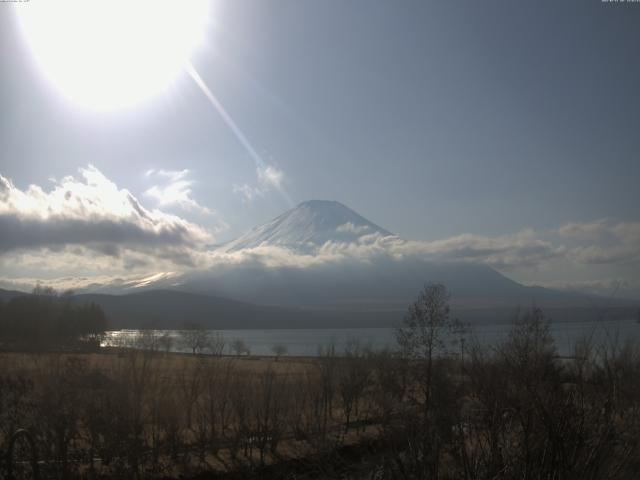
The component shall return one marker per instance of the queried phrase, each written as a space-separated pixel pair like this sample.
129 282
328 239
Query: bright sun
107 54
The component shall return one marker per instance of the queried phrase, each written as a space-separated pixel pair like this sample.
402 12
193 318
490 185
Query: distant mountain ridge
174 309
387 283
171 309
307 226
6 295
332 294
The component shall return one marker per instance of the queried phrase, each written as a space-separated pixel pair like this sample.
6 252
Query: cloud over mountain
325 231
174 189
90 228
604 242
269 178
321 235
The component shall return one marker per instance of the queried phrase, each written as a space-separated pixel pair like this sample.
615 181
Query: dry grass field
169 363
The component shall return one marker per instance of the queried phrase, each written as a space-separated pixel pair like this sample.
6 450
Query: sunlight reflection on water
306 342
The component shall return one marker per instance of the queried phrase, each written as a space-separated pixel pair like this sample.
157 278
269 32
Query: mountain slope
307 226
382 282
167 309
172 309
6 295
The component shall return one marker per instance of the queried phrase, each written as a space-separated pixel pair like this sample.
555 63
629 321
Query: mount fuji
381 285
293 272
308 226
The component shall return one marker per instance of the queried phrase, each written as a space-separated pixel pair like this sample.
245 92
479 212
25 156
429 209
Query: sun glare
113 53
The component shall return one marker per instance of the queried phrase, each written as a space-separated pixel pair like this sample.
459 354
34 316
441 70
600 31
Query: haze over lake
308 342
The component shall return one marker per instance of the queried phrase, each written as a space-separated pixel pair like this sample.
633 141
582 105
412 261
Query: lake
307 342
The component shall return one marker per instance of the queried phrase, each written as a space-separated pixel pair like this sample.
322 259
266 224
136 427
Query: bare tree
269 412
239 347
190 381
279 350
422 340
195 338
353 378
148 340
424 332
217 344
165 342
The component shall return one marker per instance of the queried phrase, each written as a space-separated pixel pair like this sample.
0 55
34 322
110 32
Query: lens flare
107 54
233 126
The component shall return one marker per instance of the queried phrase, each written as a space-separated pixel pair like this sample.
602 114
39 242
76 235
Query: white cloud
87 230
526 254
173 175
93 213
107 283
604 242
612 287
175 190
352 229
269 178
505 252
247 191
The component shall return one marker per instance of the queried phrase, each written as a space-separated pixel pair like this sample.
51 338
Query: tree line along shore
515 410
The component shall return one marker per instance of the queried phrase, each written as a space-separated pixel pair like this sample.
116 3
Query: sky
494 126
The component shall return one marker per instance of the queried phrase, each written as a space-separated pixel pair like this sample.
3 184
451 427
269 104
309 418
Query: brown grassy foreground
133 412
516 411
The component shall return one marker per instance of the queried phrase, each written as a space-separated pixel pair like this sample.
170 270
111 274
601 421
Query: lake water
307 342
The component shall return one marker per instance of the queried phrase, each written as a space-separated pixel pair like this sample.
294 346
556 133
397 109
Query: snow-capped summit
308 226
